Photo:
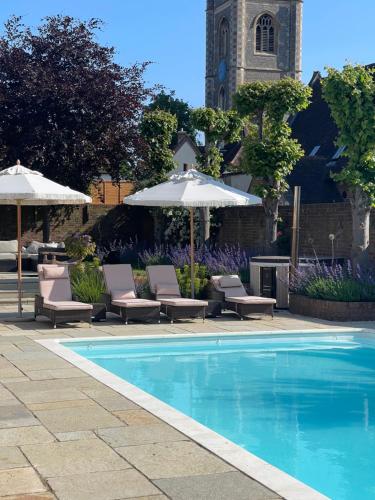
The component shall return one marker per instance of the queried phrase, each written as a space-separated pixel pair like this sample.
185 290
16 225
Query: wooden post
192 252
19 257
296 228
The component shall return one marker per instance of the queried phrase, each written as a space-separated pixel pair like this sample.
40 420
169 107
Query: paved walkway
65 435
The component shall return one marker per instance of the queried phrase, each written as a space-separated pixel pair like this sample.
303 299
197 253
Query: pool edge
257 469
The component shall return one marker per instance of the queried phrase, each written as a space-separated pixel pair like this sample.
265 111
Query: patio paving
65 435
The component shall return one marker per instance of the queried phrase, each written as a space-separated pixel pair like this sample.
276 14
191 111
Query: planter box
332 310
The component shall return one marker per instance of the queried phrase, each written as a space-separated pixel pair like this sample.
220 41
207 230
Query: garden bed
332 310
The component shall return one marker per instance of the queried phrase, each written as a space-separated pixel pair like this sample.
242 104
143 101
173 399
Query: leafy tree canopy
179 108
157 129
67 109
351 96
218 127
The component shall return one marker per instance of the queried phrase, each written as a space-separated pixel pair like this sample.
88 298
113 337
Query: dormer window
338 153
314 151
265 34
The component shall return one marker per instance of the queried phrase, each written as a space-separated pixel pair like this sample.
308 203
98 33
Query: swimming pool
303 403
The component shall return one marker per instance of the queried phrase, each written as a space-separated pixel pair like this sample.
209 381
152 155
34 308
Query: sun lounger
231 292
164 286
121 297
55 298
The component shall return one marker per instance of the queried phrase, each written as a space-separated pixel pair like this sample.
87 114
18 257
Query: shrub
200 280
87 284
79 246
337 283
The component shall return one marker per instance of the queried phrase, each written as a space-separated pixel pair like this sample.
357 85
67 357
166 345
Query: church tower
250 40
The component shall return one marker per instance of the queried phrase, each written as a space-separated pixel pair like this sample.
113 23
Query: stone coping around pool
273 478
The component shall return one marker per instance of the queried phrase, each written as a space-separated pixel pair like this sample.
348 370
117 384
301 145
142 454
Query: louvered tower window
265 34
224 38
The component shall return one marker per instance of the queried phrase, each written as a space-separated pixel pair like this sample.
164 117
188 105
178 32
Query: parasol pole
19 258
192 256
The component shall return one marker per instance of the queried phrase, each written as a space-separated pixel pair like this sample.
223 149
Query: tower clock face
222 70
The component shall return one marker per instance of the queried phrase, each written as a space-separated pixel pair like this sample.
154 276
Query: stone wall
245 226
104 222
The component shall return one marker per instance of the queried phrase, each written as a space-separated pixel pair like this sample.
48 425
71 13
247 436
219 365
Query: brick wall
105 222
246 227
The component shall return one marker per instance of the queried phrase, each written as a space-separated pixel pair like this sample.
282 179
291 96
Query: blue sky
171 33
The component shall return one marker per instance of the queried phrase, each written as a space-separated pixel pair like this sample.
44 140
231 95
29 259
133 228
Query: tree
67 109
157 129
219 127
269 152
350 94
177 107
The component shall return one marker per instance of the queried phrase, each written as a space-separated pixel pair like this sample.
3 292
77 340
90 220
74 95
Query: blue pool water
304 404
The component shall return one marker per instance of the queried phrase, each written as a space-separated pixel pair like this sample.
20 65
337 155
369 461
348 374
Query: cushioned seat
164 286
231 292
135 303
67 305
121 297
8 256
251 299
55 300
179 301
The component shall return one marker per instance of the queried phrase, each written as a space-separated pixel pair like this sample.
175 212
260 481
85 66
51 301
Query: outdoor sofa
8 255
55 300
230 291
164 287
121 295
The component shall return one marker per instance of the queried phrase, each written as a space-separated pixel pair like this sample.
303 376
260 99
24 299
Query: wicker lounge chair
231 292
55 298
121 298
164 286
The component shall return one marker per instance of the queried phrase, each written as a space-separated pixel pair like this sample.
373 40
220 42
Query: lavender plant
337 283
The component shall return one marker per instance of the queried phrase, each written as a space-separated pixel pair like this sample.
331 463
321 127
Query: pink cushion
250 300
180 302
66 305
230 281
55 272
123 294
168 290
136 303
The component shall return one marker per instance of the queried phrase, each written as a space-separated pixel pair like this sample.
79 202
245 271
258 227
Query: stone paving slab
175 459
110 400
77 419
103 486
48 396
53 374
24 435
137 417
16 415
20 481
73 457
215 487
11 457
140 434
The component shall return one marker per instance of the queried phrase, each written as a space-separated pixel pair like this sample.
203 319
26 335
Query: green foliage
271 160
274 99
79 246
177 107
350 94
87 284
200 280
347 290
218 126
157 129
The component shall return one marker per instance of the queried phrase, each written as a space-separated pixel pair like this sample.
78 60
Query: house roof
184 138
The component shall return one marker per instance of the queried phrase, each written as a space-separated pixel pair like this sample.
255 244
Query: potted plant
88 286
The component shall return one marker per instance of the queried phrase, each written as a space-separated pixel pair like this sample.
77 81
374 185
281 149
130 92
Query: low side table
214 308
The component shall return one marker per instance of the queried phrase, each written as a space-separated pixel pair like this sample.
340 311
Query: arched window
221 99
224 38
265 34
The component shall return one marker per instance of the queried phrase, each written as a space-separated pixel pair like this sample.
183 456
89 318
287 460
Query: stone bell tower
250 40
